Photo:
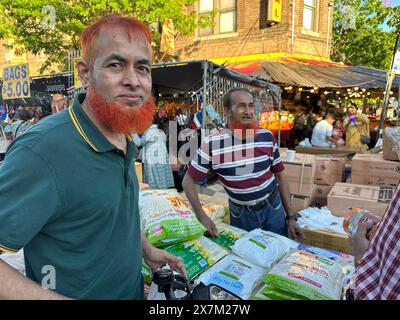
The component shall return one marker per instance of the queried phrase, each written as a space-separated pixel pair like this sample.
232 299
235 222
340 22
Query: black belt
259 205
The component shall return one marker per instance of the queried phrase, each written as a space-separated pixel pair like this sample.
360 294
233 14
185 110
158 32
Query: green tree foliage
358 37
31 25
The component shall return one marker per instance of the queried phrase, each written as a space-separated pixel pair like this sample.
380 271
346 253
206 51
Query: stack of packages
373 182
169 223
312 177
252 265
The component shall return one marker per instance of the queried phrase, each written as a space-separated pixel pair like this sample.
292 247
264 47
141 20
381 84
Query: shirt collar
87 129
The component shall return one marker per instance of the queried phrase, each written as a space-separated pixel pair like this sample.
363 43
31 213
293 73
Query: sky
393 3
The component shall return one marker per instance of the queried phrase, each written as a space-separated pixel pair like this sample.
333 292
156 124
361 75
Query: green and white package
263 248
146 272
197 255
235 275
307 275
227 235
167 218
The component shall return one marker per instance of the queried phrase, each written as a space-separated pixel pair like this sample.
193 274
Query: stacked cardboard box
311 178
372 169
345 196
390 135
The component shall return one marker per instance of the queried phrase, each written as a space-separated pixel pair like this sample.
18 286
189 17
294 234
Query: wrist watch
292 217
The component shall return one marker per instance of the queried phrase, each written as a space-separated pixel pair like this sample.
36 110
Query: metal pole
389 82
203 110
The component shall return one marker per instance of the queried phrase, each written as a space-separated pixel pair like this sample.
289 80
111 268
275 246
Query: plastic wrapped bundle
167 218
263 248
307 275
197 255
228 235
235 275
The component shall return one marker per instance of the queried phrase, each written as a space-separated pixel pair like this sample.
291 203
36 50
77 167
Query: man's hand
209 224
295 231
360 241
156 258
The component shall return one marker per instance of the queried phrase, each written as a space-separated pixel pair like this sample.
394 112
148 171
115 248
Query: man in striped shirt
247 162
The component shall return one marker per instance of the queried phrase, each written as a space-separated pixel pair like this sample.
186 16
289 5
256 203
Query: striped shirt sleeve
201 163
277 164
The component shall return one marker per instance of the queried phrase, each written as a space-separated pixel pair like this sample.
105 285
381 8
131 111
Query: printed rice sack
146 272
214 211
268 292
235 275
263 248
167 218
227 235
197 255
259 295
307 275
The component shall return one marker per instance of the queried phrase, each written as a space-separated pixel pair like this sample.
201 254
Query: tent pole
203 110
390 78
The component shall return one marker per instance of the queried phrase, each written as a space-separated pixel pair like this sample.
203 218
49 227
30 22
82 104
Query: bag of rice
307 275
263 248
197 255
235 275
167 218
259 295
227 235
146 272
214 211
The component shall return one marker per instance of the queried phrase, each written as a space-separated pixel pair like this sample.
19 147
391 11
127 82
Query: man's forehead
118 35
242 96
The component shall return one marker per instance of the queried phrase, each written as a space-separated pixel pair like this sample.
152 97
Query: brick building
241 29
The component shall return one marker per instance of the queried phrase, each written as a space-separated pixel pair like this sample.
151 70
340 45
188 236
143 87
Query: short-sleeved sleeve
28 197
329 131
277 164
202 162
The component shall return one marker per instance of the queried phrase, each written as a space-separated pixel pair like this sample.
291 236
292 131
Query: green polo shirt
70 198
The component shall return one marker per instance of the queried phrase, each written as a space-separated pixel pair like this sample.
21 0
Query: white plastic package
263 248
307 275
235 275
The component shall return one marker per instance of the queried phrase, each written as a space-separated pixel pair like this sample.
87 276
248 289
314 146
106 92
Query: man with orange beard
68 188
247 162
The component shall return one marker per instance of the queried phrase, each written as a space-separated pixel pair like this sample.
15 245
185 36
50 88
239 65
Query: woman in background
157 170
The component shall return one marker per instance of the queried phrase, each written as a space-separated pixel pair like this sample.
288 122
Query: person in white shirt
322 132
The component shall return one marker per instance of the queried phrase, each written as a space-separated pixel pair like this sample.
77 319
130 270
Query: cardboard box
320 195
300 202
139 173
344 196
327 240
388 143
372 169
329 170
300 173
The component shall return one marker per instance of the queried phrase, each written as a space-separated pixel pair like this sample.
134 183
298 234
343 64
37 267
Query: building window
221 12
310 15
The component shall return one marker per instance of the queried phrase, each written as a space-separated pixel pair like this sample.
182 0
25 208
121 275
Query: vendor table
322 150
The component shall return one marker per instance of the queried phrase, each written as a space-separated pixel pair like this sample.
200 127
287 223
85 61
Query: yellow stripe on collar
8 250
79 128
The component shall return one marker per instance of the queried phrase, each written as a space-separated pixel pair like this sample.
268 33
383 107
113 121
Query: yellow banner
77 80
16 82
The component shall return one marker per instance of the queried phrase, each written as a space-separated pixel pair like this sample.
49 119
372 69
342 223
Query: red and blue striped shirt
246 168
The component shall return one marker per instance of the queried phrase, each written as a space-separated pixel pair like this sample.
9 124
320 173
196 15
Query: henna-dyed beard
243 131
120 118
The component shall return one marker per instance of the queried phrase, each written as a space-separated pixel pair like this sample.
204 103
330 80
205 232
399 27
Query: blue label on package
232 285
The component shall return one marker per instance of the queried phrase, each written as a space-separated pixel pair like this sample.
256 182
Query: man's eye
115 65
145 69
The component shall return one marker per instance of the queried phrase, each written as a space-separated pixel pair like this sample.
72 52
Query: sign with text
396 56
16 82
274 11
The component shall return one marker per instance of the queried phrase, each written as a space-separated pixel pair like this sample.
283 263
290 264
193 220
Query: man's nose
131 78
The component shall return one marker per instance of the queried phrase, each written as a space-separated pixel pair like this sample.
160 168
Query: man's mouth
131 99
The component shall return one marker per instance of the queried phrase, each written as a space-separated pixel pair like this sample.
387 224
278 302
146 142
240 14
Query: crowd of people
333 129
75 209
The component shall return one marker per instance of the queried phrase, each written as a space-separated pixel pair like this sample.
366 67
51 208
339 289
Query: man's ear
83 72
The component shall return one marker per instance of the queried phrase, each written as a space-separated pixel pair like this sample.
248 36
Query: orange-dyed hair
133 28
